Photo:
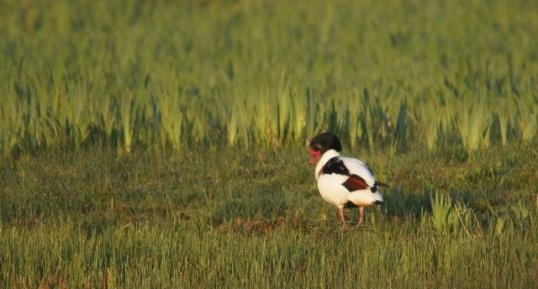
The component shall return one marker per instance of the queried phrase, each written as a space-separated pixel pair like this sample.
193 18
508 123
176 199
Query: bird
343 181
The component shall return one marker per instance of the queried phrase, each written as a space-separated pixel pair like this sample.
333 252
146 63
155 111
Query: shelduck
342 181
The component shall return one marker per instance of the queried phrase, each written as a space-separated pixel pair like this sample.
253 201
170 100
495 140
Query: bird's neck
323 160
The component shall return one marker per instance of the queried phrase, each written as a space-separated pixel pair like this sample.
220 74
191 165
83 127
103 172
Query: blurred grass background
165 74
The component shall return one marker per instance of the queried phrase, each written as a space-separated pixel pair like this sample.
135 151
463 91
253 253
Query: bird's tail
380 184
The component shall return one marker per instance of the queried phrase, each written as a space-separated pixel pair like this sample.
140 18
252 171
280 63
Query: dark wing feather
354 183
335 166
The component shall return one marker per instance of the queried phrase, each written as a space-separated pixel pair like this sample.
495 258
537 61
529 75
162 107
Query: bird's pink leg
361 216
342 218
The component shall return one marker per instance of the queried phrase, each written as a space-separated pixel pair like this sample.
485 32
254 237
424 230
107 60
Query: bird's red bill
315 156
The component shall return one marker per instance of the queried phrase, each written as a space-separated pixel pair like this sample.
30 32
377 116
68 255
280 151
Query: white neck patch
323 160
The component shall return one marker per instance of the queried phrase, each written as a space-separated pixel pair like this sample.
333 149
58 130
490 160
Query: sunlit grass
167 74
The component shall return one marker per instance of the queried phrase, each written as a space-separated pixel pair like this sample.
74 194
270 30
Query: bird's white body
331 186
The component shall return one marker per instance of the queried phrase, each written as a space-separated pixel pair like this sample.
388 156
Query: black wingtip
380 184
378 202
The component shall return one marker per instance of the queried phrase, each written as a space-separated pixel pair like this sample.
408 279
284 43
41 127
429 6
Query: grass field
251 219
161 144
